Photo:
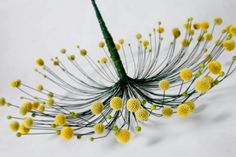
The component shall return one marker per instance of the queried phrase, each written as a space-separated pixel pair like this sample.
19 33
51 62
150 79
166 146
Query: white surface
31 29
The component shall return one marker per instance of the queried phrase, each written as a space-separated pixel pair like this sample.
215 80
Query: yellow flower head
208 36
24 130
15 84
60 119
35 105
214 67
176 32
164 85
28 105
121 41
28 122
96 107
67 133
186 74
138 36
183 110
202 85
142 115
145 43
185 42
83 52
50 102
123 136
71 57
63 51
229 45
196 26
133 105
39 61
116 103
232 30
191 104
2 101
167 111
101 44
204 25
209 79
218 21
153 107
41 108
160 29
187 25
14 126
23 110
39 88
99 128
103 60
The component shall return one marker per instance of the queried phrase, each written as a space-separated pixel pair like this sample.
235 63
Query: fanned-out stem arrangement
129 85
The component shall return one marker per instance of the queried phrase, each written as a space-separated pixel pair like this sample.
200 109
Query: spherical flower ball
41 108
83 52
142 115
185 42
14 126
50 102
99 128
208 36
167 111
138 36
121 41
196 26
160 30
116 103
164 85
39 61
96 107
28 122
101 44
209 79
218 21
63 51
23 130
15 84
39 88
145 43
153 107
103 60
186 74
229 45
204 25
67 133
133 105
232 30
176 32
123 136
60 119
23 110
214 67
71 57
28 105
2 101
191 104
117 47
183 110
202 85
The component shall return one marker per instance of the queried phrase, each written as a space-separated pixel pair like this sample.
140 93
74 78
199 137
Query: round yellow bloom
117 47
160 30
60 119
153 107
133 105
183 110
145 43
232 30
96 107
41 108
67 133
164 85
14 126
187 25
23 110
50 102
208 36
167 111
101 44
186 74
15 84
204 25
103 60
185 42
218 21
214 67
176 32
138 36
23 130
28 122
121 41
63 51
28 105
202 85
39 88
71 57
35 105
209 79
39 62
83 52
116 103
123 136
191 104
229 45
2 101
196 26
142 115
99 128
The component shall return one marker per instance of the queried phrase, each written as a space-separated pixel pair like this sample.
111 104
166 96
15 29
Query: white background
40 28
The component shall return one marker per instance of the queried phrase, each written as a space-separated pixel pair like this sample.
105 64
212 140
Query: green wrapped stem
110 44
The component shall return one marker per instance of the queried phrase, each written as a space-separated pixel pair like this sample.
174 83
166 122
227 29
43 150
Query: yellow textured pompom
185 42
14 126
133 105
28 122
50 102
67 133
191 104
232 30
176 32
23 110
196 26
96 107
60 119
183 110
103 60
202 85
39 61
218 21
214 67
160 30
209 79
145 43
71 57
186 74
39 88
123 136
142 115
187 25
41 108
101 44
15 84
167 111
204 25
83 52
2 101
164 85
117 47
229 45
121 41
23 130
153 107
35 105
63 51
138 36
116 103
99 128
208 36
28 105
